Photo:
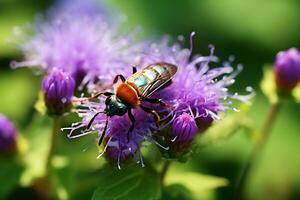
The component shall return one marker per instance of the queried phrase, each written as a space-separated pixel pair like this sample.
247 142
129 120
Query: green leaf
200 186
268 85
177 192
132 182
225 128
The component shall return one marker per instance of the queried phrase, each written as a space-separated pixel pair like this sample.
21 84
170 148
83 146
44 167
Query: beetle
130 93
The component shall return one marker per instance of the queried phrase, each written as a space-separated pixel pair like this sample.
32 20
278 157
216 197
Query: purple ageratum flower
85 46
118 145
58 88
198 94
197 89
287 69
8 135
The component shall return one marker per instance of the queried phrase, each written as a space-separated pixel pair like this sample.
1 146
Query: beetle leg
107 94
93 119
103 133
93 97
132 119
153 112
160 102
134 70
123 79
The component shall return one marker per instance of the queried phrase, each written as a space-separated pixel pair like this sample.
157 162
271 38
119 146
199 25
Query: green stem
54 134
164 171
265 132
43 185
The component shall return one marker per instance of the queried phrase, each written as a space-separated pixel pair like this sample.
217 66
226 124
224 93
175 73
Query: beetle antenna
93 119
104 132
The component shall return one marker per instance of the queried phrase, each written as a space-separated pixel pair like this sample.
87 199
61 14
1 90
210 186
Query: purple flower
184 129
58 88
198 94
197 89
122 145
287 69
119 144
8 136
83 45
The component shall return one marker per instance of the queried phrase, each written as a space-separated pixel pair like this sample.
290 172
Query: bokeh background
251 30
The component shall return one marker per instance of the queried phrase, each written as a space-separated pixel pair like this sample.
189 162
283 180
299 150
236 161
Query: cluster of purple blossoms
198 93
78 41
79 49
117 146
287 69
86 47
8 136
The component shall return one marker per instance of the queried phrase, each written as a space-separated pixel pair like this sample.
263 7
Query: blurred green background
251 30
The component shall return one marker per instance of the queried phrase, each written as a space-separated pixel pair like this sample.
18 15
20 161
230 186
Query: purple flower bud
184 129
118 155
58 88
8 136
287 69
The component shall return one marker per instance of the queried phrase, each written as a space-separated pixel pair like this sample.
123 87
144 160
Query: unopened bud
287 69
8 136
58 88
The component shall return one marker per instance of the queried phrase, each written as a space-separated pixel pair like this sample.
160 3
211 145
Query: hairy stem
164 171
265 132
55 130
43 185
53 143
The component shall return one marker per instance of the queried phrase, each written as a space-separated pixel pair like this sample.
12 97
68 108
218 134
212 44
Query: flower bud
8 136
119 150
184 129
117 155
287 69
58 88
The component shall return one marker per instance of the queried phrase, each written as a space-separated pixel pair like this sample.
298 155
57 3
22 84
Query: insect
130 93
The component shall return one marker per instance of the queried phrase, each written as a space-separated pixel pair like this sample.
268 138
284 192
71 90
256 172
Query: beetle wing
161 80
152 78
